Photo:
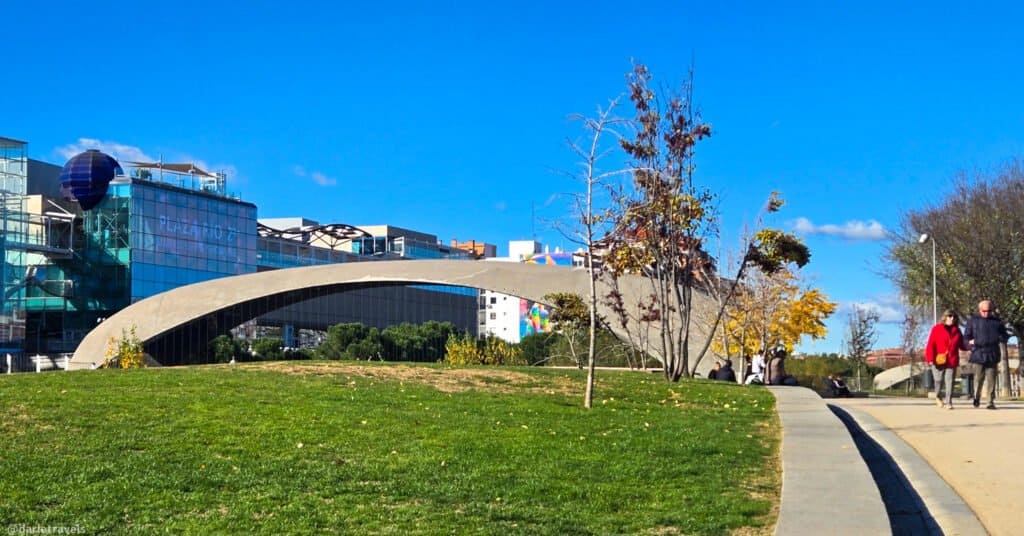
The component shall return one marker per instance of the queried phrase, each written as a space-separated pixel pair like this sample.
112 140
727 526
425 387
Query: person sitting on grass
838 386
777 370
757 366
726 373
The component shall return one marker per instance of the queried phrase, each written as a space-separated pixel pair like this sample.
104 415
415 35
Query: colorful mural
533 318
557 259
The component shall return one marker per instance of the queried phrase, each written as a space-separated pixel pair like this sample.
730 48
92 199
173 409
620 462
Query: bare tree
592 222
861 336
910 337
635 323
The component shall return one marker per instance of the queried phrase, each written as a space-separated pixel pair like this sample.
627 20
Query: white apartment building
511 317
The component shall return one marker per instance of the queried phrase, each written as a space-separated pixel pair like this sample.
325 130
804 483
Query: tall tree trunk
588 400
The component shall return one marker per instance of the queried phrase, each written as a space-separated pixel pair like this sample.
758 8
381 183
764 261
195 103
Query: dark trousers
984 376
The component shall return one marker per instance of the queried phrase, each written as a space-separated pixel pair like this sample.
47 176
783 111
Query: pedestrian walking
942 353
984 334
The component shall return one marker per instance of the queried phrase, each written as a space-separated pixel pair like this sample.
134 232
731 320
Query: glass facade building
13 241
164 226
178 237
144 238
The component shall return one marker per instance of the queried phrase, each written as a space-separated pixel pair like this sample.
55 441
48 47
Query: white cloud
315 176
130 153
852 230
323 180
119 151
887 313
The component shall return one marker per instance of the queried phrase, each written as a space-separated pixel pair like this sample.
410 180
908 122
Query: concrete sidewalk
826 485
973 450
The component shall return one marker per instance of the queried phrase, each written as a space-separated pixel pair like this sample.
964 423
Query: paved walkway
975 451
826 485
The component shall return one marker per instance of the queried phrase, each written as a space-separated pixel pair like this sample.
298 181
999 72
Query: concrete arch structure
895 376
203 310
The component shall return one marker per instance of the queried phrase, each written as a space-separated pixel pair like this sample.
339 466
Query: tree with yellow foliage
127 352
771 311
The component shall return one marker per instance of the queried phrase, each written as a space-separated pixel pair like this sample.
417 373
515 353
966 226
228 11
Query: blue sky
452 117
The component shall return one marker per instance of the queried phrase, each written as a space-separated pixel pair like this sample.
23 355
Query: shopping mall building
163 225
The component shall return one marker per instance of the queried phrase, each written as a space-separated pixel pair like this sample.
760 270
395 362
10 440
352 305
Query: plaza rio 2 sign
194 230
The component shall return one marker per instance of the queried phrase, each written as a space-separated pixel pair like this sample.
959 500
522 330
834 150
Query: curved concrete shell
895 376
201 311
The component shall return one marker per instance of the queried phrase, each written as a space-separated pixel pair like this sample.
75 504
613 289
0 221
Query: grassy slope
380 449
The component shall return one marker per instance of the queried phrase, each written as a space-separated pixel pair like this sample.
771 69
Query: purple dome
85 177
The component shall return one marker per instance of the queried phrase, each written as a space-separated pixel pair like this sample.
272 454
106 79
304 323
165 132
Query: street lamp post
935 307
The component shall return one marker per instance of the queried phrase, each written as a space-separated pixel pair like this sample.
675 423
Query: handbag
940 360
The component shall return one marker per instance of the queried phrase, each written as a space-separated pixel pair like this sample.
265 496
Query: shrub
536 347
225 348
403 342
461 350
268 349
497 351
339 337
368 347
611 352
809 370
466 350
126 352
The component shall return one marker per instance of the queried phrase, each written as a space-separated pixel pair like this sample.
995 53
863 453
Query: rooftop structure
185 175
481 250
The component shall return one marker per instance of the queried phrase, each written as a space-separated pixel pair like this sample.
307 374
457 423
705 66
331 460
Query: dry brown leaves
20 420
446 380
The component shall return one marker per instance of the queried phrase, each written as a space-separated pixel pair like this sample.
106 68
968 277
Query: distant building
510 317
520 250
480 249
396 242
888 358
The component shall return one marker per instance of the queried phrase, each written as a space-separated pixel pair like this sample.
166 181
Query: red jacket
941 340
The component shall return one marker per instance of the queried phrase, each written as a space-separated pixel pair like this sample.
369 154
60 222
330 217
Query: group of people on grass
982 336
770 372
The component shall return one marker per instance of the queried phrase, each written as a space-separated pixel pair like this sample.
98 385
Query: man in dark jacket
726 373
984 335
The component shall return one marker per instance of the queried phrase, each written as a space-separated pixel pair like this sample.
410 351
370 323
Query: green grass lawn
309 447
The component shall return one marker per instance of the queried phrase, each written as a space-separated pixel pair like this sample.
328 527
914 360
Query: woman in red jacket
942 353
